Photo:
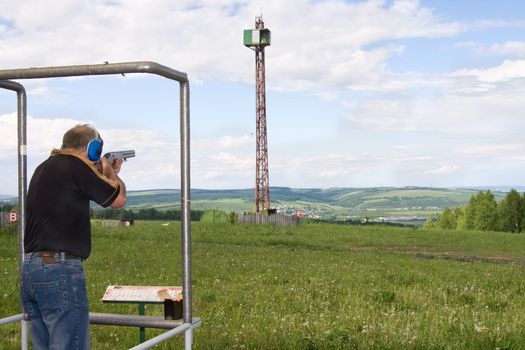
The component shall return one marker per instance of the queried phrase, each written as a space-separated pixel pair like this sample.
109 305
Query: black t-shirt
58 204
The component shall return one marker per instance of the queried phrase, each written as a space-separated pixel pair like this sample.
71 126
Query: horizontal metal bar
165 336
162 337
11 319
94 69
133 321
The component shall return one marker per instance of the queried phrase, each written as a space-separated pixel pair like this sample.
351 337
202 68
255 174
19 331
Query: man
58 237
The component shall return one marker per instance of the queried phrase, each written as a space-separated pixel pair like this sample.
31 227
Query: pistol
113 156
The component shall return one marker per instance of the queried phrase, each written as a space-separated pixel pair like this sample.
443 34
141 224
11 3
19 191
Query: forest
484 213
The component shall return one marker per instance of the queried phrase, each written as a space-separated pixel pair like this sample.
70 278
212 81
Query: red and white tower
257 39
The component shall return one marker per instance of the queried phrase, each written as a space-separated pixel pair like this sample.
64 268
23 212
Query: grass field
315 286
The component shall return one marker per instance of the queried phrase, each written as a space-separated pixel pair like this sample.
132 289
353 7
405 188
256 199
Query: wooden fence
260 218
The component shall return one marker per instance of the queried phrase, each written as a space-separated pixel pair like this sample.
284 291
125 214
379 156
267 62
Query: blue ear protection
94 150
94 147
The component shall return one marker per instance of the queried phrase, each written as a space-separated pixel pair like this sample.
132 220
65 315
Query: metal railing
11 319
109 69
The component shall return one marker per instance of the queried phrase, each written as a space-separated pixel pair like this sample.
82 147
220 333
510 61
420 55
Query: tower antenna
257 39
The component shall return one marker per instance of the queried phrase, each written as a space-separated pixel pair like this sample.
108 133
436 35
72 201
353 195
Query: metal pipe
94 69
11 319
24 334
22 166
132 321
188 339
22 177
185 201
162 337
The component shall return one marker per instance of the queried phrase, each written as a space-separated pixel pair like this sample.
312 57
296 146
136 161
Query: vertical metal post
22 181
24 334
185 200
22 175
142 330
188 339
22 190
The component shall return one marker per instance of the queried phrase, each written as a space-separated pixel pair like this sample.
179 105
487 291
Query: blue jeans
54 297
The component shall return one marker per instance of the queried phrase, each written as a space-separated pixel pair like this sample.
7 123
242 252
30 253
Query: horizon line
466 187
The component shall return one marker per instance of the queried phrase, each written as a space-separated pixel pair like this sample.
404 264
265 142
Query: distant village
366 215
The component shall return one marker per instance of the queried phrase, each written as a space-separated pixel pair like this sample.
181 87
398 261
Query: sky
359 93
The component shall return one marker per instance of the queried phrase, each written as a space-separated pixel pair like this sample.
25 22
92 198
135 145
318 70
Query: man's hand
117 164
111 171
108 169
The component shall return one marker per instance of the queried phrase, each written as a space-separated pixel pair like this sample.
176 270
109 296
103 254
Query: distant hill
6 199
379 203
332 203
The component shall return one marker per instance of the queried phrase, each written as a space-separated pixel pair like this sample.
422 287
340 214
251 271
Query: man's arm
111 172
120 201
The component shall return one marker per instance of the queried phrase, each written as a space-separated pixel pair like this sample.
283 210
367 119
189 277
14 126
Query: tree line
142 214
125 214
6 208
484 213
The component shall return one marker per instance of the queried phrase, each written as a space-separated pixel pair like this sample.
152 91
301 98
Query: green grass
315 286
226 204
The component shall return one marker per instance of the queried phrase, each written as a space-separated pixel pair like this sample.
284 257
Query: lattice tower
257 40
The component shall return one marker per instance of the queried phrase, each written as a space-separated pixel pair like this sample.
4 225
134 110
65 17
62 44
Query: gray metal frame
108 69
22 187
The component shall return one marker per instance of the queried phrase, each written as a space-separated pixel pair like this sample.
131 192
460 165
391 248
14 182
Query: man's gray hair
79 136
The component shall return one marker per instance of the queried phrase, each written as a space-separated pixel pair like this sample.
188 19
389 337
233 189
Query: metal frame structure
22 187
262 178
188 322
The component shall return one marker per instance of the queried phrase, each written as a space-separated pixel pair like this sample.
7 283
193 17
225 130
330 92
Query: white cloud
492 24
223 166
333 49
42 134
157 157
514 150
224 142
460 82
472 102
8 135
204 38
157 161
442 169
509 69
344 46
509 48
230 161
333 173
